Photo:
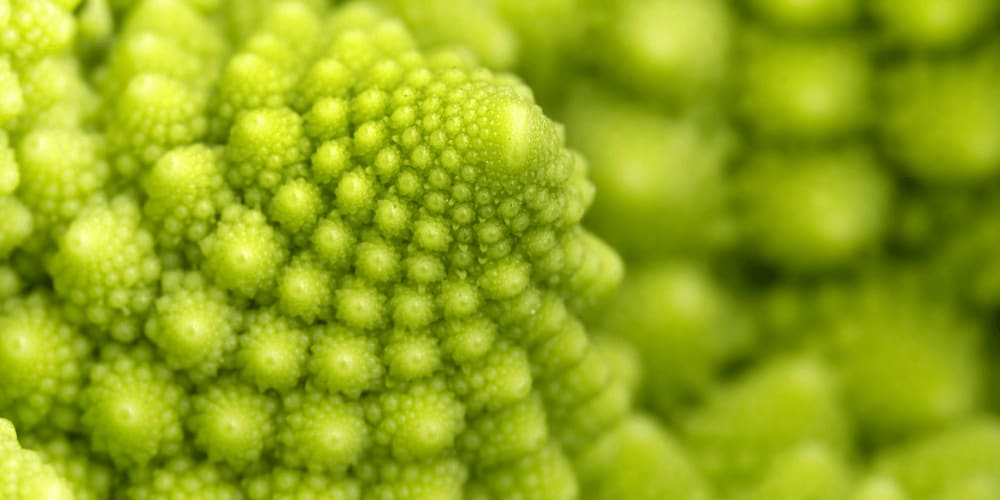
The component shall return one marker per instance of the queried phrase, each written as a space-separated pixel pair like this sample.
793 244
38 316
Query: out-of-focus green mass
499 249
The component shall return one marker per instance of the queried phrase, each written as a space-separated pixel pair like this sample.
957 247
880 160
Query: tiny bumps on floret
232 422
166 37
346 362
89 477
356 266
272 351
322 433
61 171
56 95
183 478
285 483
132 407
42 363
23 473
244 254
185 191
305 288
106 266
263 145
192 325
153 114
418 421
35 29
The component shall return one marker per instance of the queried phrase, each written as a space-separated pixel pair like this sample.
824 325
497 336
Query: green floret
132 408
500 378
305 289
105 267
168 37
345 362
411 355
232 422
930 465
639 460
56 95
42 363
183 479
192 325
10 175
272 352
809 471
962 235
418 421
498 437
322 433
23 473
924 352
804 90
878 488
544 475
814 209
244 254
979 488
263 144
746 426
18 224
292 484
154 114
378 260
11 96
89 477
35 29
297 206
185 192
61 171
807 16
661 181
413 481
675 51
933 24
940 119
684 325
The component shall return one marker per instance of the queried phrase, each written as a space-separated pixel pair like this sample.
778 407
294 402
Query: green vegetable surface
499 249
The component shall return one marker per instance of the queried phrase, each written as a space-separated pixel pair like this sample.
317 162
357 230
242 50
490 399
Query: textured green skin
23 473
255 250
294 257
